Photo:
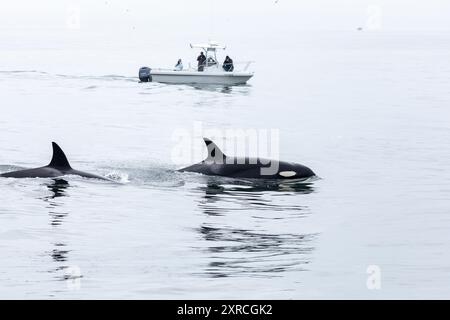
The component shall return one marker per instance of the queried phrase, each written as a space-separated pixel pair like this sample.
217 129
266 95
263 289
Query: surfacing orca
218 164
58 167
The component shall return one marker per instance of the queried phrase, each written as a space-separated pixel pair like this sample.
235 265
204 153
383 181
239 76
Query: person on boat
179 65
211 61
228 64
201 61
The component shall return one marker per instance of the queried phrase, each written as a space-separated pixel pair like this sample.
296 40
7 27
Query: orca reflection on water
218 164
58 167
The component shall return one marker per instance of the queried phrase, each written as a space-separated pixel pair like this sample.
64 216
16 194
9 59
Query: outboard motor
145 74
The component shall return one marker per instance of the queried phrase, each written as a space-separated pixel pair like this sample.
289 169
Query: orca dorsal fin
214 153
59 159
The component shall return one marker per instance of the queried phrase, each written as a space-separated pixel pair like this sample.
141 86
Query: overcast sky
216 15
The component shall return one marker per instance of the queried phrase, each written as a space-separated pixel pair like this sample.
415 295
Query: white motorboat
212 71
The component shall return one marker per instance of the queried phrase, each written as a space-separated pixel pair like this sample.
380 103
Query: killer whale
219 164
58 166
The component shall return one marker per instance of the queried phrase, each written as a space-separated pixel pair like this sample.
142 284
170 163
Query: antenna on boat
211 18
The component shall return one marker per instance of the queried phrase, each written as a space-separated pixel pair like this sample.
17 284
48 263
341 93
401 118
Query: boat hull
195 77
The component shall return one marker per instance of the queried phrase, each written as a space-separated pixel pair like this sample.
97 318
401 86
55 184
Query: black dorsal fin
214 153
59 159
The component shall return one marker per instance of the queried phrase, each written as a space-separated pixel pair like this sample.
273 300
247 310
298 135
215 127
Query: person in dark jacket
201 61
228 64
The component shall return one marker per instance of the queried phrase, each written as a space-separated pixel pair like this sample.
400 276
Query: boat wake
30 74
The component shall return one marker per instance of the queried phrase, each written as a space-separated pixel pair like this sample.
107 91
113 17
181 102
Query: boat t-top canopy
211 46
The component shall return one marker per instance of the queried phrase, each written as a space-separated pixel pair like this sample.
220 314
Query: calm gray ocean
367 111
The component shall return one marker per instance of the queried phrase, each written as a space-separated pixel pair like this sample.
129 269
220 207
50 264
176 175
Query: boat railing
245 63
239 66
